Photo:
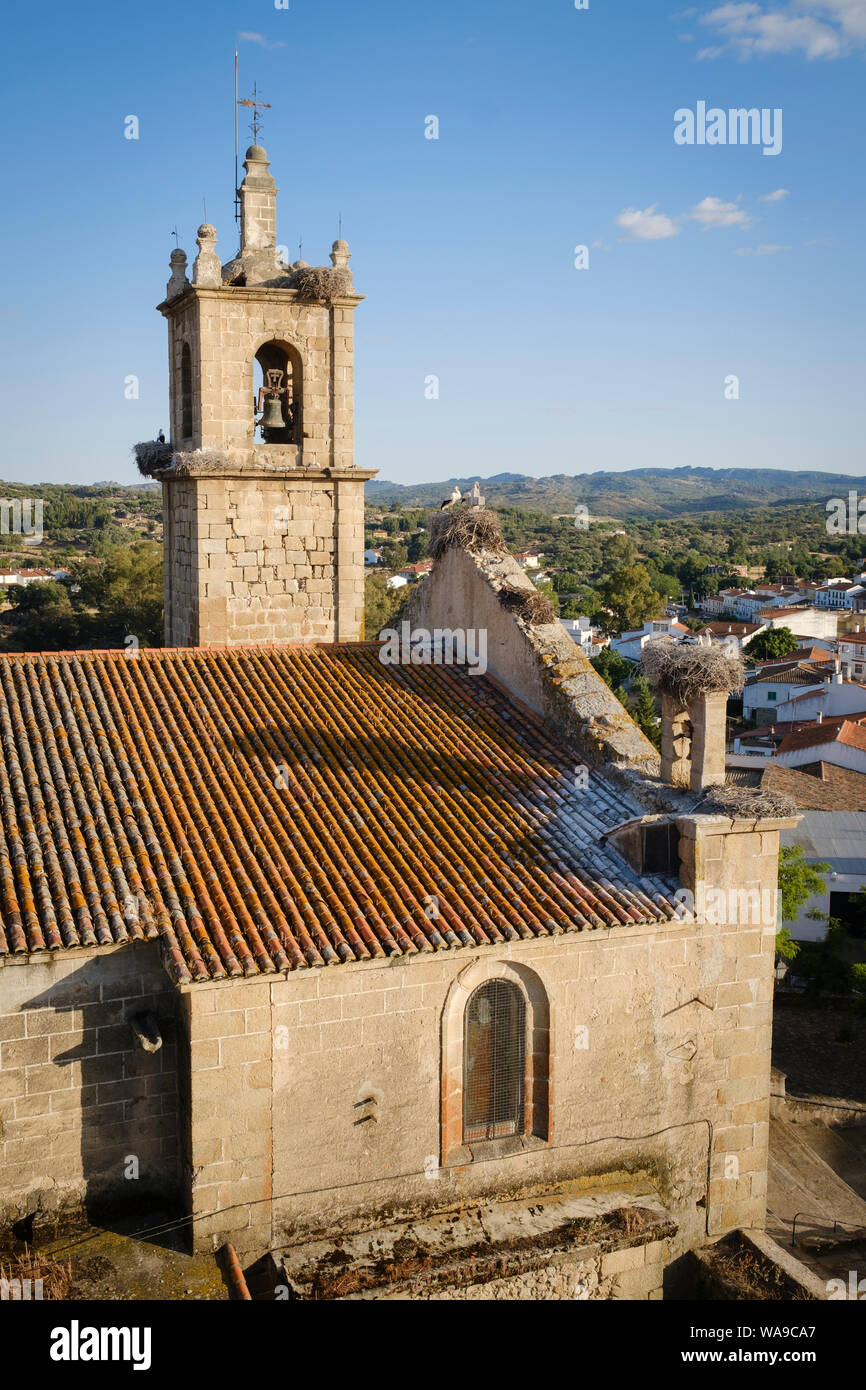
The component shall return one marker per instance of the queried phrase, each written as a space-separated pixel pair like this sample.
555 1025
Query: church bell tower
263 507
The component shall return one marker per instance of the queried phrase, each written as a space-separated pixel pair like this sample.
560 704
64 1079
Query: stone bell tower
263 507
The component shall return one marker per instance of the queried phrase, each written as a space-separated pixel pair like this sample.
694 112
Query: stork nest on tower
747 802
322 284
151 456
528 604
685 672
465 528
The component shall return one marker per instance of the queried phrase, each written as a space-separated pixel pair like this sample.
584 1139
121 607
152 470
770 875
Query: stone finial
258 195
178 282
206 268
341 255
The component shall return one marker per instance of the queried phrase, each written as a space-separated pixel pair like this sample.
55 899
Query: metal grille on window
493 1068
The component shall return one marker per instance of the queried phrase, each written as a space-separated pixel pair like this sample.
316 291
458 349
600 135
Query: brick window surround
538 1094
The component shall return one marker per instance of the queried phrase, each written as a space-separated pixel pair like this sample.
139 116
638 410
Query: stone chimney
693 741
694 684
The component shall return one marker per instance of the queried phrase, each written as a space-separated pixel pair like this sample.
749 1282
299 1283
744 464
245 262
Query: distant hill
640 492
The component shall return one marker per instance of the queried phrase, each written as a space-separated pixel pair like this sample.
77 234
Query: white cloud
712 212
777 196
250 36
814 28
761 250
647 225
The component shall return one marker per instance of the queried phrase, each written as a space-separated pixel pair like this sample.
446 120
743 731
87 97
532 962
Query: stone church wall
78 1099
328 1090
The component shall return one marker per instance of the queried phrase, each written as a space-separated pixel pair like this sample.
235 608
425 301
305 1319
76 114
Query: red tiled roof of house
264 809
778 612
722 629
786 673
847 729
818 786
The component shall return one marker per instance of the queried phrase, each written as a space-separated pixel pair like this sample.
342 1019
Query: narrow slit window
494 1062
186 393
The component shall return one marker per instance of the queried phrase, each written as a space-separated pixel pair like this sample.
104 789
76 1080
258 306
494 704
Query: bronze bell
272 418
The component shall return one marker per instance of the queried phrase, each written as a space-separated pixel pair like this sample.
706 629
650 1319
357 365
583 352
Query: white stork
456 496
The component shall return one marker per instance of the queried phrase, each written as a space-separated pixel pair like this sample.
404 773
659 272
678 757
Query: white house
631 644
10 577
838 593
528 559
372 557
837 838
852 653
731 634
396 581
837 696
840 741
775 683
587 637
803 620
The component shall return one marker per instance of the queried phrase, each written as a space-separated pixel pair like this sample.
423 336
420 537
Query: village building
439 982
630 645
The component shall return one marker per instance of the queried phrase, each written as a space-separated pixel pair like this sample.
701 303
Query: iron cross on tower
257 105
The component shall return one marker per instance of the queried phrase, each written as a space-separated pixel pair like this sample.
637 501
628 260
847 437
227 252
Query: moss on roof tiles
264 809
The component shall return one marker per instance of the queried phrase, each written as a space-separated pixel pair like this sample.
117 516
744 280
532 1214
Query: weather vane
257 105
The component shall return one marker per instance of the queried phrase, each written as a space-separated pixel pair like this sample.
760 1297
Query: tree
775 642
644 711
631 598
380 604
416 547
546 588
665 584
822 964
619 552
125 588
798 882
612 667
395 556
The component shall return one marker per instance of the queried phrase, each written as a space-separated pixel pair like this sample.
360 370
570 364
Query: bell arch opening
185 393
277 399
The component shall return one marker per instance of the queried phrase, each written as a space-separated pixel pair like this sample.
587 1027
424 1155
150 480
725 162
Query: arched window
186 393
494 1062
277 394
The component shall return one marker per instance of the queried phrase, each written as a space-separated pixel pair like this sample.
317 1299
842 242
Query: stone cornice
251 293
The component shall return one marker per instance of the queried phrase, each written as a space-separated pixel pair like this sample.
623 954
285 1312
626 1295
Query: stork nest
465 528
530 605
748 802
151 456
322 284
686 672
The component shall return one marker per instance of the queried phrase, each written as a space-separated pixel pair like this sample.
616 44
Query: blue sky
555 130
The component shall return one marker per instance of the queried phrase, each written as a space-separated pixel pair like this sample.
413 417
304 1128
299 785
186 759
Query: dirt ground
118 1262
821 1049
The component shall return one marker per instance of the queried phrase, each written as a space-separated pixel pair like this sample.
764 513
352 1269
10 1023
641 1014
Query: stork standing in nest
456 496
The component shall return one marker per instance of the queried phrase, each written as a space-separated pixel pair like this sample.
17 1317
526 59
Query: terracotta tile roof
735 629
778 612
263 809
782 673
846 729
818 786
